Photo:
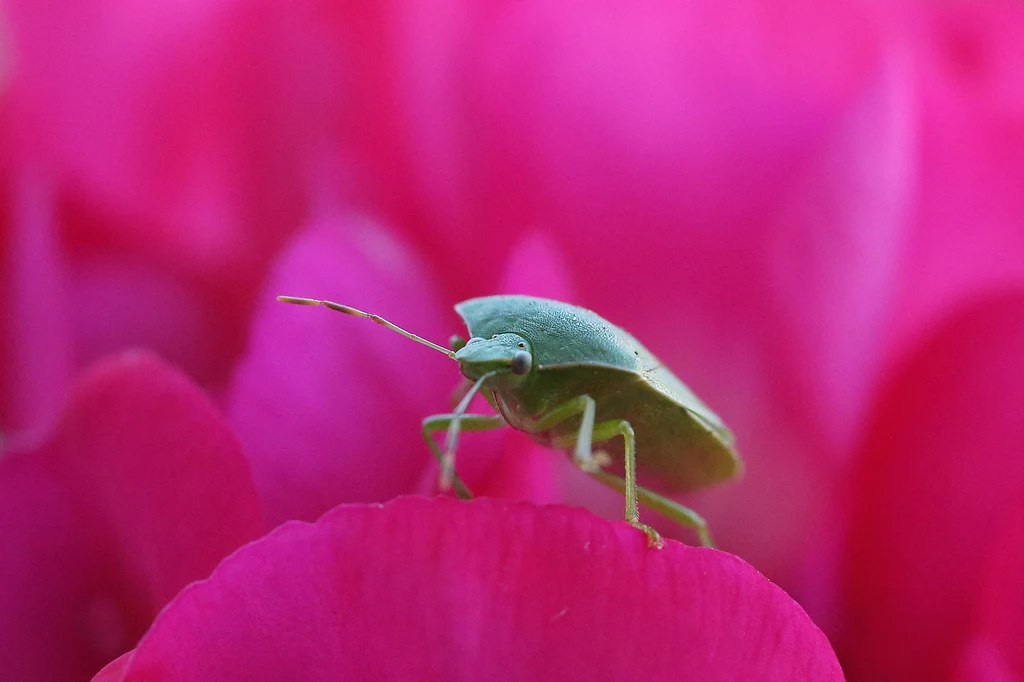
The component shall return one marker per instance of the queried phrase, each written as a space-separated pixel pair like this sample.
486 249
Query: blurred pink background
813 214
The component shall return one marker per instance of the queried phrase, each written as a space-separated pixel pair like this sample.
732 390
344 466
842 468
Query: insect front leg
583 455
469 422
585 459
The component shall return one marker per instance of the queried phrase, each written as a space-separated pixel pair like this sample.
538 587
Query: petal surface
999 628
329 407
444 590
939 467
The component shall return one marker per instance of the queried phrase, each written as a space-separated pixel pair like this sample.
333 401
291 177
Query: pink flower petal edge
440 589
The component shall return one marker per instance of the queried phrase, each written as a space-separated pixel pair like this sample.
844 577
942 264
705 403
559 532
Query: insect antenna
452 437
359 313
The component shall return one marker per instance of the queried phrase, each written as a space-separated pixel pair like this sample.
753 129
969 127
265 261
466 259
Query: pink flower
432 590
141 490
795 208
811 213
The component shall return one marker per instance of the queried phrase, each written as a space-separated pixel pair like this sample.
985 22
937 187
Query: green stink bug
569 378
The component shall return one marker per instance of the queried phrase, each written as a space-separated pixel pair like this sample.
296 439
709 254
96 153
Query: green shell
681 443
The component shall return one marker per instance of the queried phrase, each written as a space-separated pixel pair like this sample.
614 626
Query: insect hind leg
671 509
584 456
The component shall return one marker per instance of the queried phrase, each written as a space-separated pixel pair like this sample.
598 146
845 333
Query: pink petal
536 266
199 122
114 670
509 466
329 407
35 338
607 118
118 302
940 464
1000 627
440 589
183 145
141 490
968 234
981 661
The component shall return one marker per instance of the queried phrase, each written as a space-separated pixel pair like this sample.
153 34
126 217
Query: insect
570 379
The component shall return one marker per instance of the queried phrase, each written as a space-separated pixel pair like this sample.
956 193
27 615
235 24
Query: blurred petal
35 338
968 232
114 670
142 490
536 266
51 581
601 118
939 466
329 407
1000 626
833 255
491 590
185 143
197 121
118 301
981 661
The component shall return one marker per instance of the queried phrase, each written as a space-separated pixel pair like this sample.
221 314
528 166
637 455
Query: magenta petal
31 390
142 489
969 211
535 266
198 120
47 575
982 661
994 653
939 467
1000 626
329 407
114 670
519 469
445 590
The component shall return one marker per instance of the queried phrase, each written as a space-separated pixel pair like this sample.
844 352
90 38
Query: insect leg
470 422
620 427
583 456
663 505
585 459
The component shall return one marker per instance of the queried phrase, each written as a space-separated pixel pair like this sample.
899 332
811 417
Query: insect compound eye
521 362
